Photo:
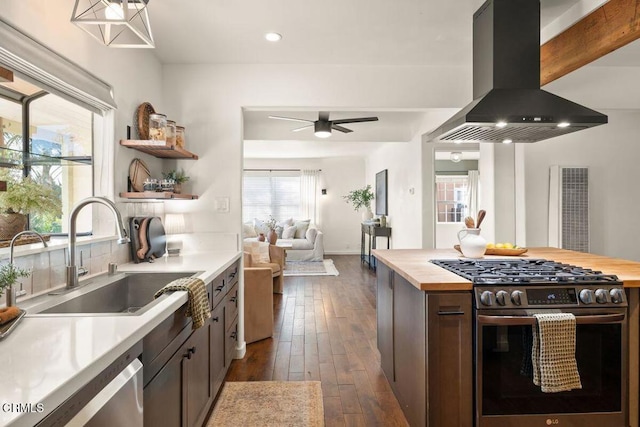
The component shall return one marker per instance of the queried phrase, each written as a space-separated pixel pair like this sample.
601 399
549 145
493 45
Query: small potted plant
178 176
361 198
9 275
24 196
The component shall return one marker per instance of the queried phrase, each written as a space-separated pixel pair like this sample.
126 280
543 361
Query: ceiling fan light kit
115 23
323 126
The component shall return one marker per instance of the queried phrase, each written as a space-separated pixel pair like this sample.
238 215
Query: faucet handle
82 271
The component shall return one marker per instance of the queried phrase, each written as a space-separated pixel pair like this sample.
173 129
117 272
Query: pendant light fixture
115 23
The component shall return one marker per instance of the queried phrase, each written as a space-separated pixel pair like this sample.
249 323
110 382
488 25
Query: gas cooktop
536 283
522 272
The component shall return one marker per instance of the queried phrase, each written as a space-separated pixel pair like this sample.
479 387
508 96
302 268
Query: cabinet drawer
231 307
218 290
231 274
231 338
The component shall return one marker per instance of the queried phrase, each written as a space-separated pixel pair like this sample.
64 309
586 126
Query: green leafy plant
9 275
25 196
360 198
177 175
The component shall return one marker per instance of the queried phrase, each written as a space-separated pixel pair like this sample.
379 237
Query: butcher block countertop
414 265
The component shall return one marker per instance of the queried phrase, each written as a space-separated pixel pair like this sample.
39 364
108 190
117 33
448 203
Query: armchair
275 264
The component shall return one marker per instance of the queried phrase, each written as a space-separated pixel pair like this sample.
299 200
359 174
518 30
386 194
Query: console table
372 231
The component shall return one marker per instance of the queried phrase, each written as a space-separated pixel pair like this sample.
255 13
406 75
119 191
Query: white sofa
309 246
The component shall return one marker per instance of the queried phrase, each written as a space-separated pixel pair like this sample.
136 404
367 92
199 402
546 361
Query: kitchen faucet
72 269
12 295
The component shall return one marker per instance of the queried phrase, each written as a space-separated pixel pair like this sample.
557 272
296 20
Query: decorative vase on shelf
383 221
367 215
177 188
261 237
272 237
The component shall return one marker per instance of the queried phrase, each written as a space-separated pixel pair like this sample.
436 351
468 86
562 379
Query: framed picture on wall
381 193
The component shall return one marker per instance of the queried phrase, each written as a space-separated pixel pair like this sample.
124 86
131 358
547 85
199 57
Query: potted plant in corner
361 198
178 176
24 196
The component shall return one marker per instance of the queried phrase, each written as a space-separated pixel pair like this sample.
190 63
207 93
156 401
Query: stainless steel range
506 295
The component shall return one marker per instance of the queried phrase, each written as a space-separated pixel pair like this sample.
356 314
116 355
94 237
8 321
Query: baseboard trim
349 252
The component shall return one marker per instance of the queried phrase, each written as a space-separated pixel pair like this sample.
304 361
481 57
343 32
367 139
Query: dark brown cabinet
425 344
177 395
185 369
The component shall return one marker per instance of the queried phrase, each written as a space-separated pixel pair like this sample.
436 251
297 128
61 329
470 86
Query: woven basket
11 224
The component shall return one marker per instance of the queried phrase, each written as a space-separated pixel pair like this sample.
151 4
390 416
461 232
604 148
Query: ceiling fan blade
323 115
302 128
356 120
291 119
340 128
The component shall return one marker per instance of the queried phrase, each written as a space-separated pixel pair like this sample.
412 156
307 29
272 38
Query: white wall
404 172
611 153
208 99
338 221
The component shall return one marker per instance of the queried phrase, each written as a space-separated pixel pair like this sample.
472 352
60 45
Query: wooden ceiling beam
606 29
6 75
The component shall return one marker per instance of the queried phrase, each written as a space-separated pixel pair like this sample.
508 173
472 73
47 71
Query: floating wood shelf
162 195
157 150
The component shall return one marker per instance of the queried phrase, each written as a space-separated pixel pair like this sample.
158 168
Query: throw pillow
280 225
248 230
260 226
289 232
259 251
311 235
301 228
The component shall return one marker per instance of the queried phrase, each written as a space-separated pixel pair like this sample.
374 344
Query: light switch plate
221 204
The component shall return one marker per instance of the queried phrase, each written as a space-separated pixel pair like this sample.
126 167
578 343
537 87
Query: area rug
269 403
310 268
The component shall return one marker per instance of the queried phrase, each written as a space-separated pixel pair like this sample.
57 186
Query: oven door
506 395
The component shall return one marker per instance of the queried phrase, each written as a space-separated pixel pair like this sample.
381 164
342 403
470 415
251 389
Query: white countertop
46 359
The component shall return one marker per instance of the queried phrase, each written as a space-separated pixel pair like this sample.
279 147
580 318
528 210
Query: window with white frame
270 193
451 198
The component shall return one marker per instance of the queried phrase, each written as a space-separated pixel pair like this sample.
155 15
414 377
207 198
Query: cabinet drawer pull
219 288
233 299
234 335
450 313
216 319
190 351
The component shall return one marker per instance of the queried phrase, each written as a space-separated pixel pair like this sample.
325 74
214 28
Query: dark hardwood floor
325 330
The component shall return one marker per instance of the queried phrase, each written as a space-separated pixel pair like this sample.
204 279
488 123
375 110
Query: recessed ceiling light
564 124
507 141
273 37
501 124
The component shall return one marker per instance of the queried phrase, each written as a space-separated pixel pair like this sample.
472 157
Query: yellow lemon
499 245
508 245
490 245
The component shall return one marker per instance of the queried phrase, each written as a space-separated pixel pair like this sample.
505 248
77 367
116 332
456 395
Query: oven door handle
530 320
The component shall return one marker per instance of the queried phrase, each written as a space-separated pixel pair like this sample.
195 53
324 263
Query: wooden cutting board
498 251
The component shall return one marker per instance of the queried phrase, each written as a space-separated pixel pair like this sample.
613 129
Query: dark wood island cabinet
425 343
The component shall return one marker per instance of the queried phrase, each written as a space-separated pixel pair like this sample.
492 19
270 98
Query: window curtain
309 194
472 193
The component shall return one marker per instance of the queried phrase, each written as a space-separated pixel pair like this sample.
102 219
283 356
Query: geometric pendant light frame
115 23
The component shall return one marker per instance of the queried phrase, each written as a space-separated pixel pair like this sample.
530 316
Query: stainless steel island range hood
508 104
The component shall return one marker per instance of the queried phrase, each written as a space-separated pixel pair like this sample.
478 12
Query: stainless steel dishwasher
119 403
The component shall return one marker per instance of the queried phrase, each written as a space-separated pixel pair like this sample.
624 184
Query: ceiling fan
323 126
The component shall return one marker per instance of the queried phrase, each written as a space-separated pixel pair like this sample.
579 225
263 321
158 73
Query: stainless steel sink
123 294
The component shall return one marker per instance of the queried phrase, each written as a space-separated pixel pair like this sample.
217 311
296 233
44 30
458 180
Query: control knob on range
487 298
617 295
516 297
601 296
501 297
586 296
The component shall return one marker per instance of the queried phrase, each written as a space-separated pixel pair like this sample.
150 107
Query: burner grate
521 271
